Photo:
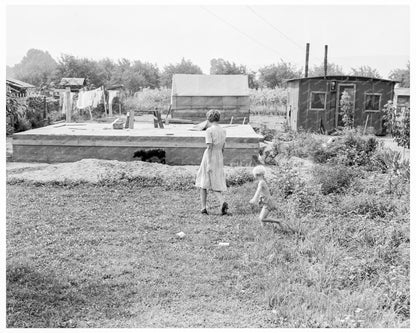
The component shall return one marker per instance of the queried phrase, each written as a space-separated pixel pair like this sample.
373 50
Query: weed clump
334 178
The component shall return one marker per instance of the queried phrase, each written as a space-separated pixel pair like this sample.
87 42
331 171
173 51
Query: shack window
403 100
318 100
372 102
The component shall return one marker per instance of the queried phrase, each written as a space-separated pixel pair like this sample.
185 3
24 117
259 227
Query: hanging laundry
89 98
97 97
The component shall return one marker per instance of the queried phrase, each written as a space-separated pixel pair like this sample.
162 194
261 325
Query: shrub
350 150
239 176
333 179
288 182
370 205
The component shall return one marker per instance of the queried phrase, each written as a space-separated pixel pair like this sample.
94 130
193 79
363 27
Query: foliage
136 75
401 75
350 150
397 123
184 67
26 113
347 109
268 100
333 178
273 76
221 66
15 115
36 67
370 205
366 71
332 69
148 99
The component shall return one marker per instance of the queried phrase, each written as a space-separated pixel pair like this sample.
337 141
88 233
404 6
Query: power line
278 30
242 32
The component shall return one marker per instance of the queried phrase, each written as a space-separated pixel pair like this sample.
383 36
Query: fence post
68 104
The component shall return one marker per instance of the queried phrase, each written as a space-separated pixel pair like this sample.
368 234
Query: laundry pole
68 104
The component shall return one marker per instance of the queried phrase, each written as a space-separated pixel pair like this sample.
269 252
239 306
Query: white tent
209 85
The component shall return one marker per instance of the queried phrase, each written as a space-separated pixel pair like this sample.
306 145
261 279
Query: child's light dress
215 180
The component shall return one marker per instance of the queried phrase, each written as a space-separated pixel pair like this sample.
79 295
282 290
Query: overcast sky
254 36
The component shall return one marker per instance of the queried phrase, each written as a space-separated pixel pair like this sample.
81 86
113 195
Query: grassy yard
108 256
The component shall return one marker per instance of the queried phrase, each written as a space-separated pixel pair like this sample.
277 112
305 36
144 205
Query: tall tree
135 75
401 75
332 69
36 67
220 66
183 67
71 66
366 71
274 75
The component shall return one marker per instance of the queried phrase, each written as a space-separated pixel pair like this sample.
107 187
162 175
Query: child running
263 198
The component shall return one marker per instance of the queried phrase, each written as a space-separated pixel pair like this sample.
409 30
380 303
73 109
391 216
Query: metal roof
19 83
72 81
340 78
402 91
209 85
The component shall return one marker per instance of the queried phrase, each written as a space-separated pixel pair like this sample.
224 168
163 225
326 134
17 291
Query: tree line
39 68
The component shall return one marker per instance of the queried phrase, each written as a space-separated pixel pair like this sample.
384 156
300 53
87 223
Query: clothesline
89 100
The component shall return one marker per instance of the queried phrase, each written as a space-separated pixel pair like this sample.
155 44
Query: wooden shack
313 103
74 83
19 88
193 95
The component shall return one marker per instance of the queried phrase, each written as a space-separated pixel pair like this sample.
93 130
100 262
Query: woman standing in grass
211 174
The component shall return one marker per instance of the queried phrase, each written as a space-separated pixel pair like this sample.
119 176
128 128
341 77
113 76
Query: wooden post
68 110
155 120
44 107
131 118
119 103
307 60
110 105
326 61
366 122
105 106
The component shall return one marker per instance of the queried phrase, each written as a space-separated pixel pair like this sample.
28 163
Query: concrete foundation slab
181 146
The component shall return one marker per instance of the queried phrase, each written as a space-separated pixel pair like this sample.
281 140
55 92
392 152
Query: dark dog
151 155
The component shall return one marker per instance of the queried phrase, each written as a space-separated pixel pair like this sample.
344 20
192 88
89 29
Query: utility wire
242 32
278 30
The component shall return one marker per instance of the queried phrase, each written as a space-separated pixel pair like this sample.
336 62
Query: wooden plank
68 111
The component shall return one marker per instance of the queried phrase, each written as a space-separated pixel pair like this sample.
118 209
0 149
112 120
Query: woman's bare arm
209 156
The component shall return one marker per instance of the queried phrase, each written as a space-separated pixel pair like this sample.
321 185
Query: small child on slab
264 199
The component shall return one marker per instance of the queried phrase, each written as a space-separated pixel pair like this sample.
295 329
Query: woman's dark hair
213 116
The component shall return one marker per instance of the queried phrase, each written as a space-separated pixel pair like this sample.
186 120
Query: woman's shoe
224 209
204 211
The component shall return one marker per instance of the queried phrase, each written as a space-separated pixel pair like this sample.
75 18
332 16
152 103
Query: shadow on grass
41 299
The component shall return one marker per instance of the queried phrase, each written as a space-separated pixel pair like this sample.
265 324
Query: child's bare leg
204 198
264 217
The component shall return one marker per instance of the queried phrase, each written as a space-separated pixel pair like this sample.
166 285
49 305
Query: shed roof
340 78
402 91
209 85
18 83
72 81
